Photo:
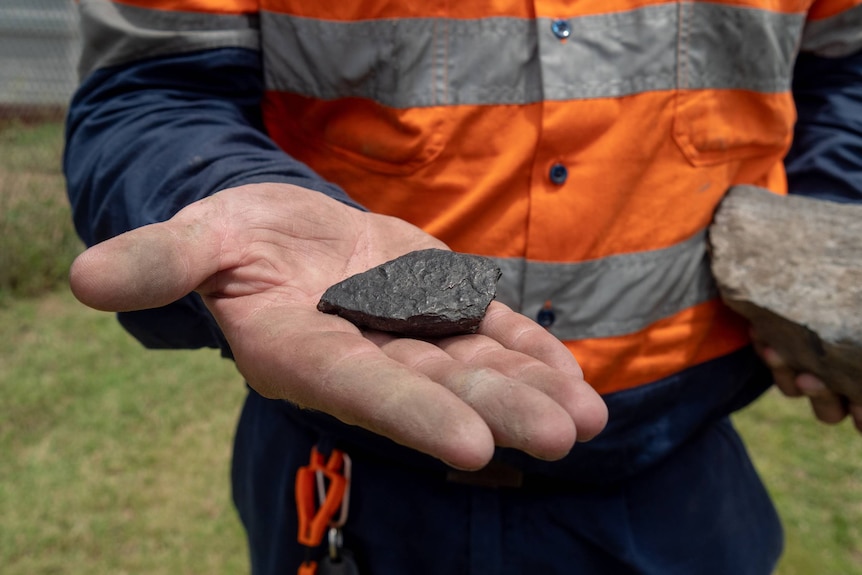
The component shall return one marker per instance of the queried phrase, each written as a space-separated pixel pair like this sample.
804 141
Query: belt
495 474
501 475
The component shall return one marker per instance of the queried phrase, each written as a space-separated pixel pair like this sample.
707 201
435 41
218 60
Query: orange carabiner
314 519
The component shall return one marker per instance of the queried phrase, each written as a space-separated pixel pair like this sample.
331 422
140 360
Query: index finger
324 363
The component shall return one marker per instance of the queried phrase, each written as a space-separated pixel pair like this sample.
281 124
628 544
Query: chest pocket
371 92
734 71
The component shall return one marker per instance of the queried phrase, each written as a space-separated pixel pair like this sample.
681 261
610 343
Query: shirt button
561 29
558 174
546 316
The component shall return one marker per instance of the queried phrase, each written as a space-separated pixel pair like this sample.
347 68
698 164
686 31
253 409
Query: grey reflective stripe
427 62
118 33
834 37
403 63
762 46
611 55
612 296
671 46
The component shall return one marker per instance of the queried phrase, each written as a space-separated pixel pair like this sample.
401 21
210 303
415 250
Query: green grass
814 473
37 240
113 459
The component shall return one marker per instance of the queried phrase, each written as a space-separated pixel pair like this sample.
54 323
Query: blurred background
115 459
39 46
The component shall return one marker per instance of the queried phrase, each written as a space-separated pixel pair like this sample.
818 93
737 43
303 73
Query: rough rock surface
793 266
426 293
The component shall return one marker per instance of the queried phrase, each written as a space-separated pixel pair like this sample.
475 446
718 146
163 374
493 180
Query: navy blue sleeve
146 139
825 160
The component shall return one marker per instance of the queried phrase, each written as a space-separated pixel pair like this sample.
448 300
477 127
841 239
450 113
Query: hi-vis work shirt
584 145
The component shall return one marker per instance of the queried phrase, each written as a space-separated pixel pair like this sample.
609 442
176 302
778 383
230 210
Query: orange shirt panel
475 176
212 6
373 9
379 9
693 336
471 192
636 181
828 8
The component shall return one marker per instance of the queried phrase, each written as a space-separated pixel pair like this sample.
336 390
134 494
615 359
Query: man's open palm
262 255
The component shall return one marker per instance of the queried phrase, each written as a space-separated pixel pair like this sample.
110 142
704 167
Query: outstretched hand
261 256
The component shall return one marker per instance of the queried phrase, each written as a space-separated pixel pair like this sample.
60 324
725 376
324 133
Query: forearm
825 160
146 139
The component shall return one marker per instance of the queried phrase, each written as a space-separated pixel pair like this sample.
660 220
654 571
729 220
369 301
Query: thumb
149 267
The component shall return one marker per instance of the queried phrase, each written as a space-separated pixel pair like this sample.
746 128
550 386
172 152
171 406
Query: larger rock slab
427 294
793 266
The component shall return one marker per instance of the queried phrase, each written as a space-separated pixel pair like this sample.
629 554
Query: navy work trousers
702 511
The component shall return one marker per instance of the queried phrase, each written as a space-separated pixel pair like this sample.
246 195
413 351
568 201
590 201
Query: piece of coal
793 266
427 294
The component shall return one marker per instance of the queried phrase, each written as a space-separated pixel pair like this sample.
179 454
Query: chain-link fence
39 47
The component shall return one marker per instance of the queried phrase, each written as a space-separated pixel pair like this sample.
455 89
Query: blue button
558 174
546 316
561 29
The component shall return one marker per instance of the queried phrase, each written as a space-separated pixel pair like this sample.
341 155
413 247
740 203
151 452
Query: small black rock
427 293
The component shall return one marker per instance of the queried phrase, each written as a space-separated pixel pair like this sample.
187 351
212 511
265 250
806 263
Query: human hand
261 256
828 406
